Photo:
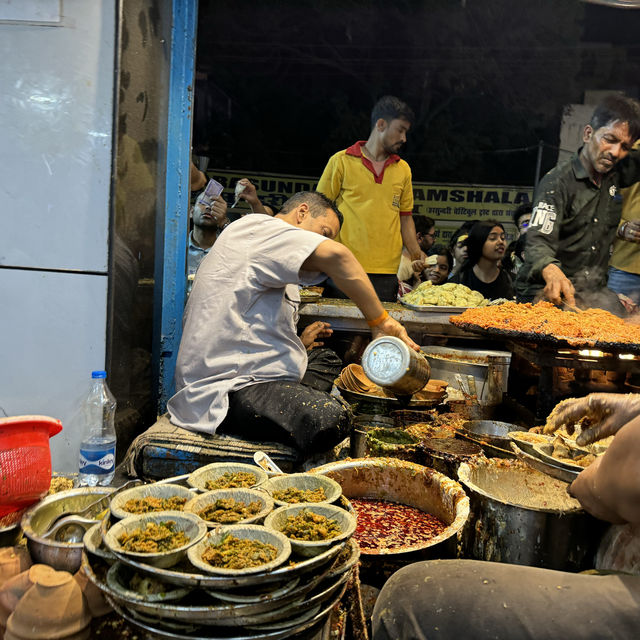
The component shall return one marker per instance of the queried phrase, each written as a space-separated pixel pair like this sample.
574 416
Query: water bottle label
97 462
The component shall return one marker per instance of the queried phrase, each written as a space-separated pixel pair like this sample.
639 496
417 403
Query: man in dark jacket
577 209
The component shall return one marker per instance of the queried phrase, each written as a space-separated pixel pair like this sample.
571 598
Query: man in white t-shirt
240 362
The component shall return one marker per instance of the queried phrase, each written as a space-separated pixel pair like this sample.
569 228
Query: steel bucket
501 530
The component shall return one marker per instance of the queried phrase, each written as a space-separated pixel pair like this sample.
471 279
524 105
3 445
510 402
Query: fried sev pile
584 327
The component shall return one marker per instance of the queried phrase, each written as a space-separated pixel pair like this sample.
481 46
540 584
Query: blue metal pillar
171 231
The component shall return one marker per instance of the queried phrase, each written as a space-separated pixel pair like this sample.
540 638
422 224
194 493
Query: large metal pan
405 483
559 342
510 521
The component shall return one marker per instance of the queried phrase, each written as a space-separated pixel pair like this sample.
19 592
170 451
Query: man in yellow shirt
624 265
372 187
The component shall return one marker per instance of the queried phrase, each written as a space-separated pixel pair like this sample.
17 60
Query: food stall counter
345 316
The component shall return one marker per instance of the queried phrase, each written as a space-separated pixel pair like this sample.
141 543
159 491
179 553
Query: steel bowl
147 491
203 500
252 532
199 478
305 482
491 431
63 556
94 545
193 527
277 519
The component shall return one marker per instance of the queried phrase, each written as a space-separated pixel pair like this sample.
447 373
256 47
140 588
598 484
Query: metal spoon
69 529
266 463
95 507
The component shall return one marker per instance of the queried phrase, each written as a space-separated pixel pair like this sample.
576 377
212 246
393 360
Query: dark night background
281 86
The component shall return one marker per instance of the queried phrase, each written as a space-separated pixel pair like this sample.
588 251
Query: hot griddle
558 342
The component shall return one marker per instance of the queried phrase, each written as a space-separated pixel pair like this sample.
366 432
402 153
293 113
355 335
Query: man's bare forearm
348 275
408 233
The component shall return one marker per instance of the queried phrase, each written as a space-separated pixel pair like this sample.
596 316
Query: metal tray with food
555 471
432 308
527 440
186 574
546 453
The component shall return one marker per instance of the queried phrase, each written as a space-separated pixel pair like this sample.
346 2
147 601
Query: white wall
56 113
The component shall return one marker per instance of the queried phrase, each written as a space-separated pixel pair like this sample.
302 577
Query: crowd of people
380 250
561 249
243 370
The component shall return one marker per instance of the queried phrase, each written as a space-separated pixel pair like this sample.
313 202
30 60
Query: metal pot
63 556
501 530
446 454
361 425
390 363
490 369
406 483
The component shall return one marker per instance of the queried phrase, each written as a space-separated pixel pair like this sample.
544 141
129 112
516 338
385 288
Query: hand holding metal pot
387 326
606 412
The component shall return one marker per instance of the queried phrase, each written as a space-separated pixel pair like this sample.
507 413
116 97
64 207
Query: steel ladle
70 529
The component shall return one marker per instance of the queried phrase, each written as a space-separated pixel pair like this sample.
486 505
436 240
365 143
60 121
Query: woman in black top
486 246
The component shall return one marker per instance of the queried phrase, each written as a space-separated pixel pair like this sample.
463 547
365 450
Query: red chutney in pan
384 525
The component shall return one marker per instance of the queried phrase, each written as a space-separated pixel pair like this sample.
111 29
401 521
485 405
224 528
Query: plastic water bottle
97 461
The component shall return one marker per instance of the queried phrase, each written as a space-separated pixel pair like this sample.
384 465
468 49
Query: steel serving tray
312 602
545 451
560 473
220 633
223 614
432 308
186 574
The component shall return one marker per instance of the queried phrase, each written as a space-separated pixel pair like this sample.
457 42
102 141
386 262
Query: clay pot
98 606
81 635
11 592
13 560
53 608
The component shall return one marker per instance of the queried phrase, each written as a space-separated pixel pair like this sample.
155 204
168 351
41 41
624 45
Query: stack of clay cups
52 608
